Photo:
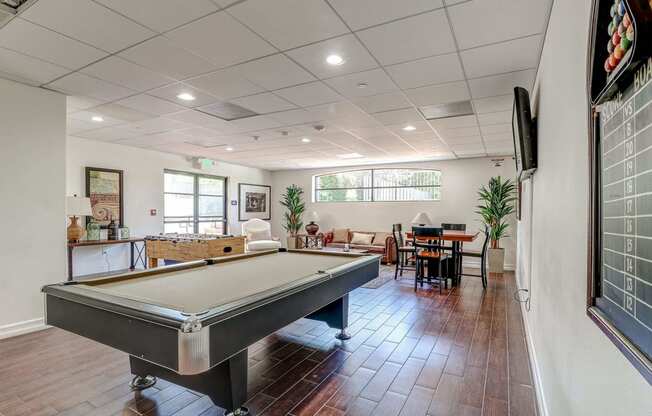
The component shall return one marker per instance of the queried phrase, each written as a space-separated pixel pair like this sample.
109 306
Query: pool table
192 323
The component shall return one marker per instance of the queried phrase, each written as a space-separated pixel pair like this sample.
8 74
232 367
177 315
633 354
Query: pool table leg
336 315
225 383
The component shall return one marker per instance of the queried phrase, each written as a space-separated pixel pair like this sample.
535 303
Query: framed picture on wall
104 188
254 201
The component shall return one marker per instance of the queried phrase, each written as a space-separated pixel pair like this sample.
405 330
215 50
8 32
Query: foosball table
189 247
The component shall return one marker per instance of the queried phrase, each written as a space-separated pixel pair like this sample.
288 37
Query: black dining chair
404 253
430 252
458 261
482 255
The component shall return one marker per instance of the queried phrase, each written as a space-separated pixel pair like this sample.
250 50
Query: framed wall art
254 201
105 189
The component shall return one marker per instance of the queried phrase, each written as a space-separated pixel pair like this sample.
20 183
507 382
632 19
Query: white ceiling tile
263 103
310 94
158 125
523 54
289 23
499 140
421 129
161 15
501 84
220 39
87 116
493 129
493 104
160 55
408 39
153 105
364 13
404 117
298 116
501 117
76 103
455 122
274 72
127 74
110 133
225 84
120 112
488 21
255 123
81 84
156 139
88 22
460 132
193 117
74 126
376 82
313 57
434 70
23 68
383 102
39 42
439 94
170 92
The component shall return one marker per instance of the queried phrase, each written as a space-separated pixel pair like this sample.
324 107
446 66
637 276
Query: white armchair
258 234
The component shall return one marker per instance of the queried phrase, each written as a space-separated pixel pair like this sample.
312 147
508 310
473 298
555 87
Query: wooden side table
310 241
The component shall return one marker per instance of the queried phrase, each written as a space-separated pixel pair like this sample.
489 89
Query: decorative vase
124 233
292 242
75 231
93 231
312 228
496 260
113 230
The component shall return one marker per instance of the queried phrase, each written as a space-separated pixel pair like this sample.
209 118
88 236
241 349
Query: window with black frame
194 203
378 185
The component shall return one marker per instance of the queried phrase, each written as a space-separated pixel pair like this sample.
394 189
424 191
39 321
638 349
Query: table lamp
311 227
76 207
421 219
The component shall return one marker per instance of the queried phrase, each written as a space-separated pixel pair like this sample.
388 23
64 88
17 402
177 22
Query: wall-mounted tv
524 131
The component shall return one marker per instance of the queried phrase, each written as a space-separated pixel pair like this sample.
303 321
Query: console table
137 253
310 241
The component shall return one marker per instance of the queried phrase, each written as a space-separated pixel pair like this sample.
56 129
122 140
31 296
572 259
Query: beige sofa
382 243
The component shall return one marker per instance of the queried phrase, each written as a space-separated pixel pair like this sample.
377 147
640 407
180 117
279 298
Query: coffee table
341 250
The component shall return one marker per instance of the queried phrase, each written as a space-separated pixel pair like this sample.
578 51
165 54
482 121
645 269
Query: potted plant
292 201
496 203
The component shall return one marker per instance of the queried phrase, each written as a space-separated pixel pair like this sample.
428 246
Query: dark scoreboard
620 263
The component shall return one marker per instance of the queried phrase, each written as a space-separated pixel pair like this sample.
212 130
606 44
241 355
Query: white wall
461 180
32 212
143 188
578 370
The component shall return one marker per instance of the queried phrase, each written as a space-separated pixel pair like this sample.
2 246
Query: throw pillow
340 235
258 235
362 239
379 239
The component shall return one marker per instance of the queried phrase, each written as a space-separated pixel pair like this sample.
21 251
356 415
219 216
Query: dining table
457 238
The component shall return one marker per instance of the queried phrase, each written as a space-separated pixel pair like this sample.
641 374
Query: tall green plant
293 202
497 202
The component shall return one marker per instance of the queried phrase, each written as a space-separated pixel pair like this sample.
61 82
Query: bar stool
403 252
431 252
482 256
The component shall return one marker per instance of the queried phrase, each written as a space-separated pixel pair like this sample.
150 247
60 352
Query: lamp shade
422 218
312 216
78 206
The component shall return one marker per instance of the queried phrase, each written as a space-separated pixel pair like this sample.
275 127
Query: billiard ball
613 61
625 43
621 29
619 52
630 34
627 21
610 28
615 38
611 47
617 19
612 11
621 8
607 67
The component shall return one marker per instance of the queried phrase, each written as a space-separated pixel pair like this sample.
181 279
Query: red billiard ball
627 20
615 38
613 61
607 67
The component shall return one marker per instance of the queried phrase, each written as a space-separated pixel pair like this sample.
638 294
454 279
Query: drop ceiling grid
387 17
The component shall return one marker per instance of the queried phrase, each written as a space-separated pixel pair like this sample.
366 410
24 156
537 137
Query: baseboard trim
542 406
20 328
476 265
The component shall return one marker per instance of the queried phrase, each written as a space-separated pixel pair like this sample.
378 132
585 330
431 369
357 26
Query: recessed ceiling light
409 127
229 149
97 119
186 96
335 60
362 85
305 140
350 156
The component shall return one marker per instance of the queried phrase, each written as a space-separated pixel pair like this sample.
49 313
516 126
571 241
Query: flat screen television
525 134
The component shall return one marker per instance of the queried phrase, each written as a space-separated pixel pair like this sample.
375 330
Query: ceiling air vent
227 111
460 108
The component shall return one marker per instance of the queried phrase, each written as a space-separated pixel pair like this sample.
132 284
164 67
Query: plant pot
496 260
292 242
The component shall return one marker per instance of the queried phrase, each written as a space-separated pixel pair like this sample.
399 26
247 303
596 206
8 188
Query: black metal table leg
131 263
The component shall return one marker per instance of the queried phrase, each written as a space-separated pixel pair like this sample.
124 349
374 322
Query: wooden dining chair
404 253
482 255
430 252
455 227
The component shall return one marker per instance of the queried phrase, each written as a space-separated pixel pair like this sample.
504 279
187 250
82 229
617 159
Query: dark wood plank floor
461 353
